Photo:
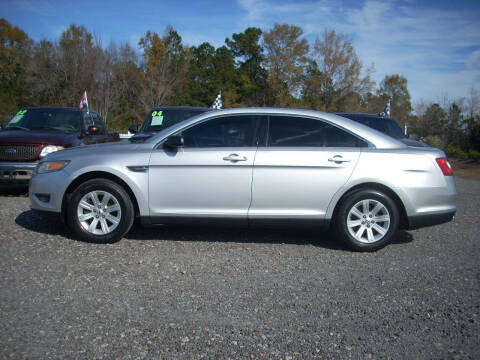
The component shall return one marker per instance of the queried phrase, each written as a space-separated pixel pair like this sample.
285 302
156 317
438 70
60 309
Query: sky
435 44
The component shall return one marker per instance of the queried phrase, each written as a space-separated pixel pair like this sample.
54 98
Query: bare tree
339 63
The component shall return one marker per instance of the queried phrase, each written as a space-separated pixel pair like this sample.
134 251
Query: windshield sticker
157 117
18 116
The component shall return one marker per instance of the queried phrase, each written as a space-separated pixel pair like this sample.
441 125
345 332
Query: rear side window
289 131
229 131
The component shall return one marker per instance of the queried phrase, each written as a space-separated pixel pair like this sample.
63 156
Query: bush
473 154
456 151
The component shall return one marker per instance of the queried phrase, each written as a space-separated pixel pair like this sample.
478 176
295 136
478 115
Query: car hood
37 137
414 143
94 150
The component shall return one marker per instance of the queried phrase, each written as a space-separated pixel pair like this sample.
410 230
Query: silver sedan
251 167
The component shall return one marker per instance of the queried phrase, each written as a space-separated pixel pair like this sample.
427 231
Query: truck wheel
100 211
367 220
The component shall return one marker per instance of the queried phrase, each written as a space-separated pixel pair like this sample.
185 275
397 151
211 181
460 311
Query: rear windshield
158 120
46 119
384 125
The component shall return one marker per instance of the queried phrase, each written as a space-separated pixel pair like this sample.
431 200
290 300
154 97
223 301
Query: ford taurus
254 167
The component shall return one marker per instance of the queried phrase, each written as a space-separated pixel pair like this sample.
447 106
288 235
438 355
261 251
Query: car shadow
13 190
33 222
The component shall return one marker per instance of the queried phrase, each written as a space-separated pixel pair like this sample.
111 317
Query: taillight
444 166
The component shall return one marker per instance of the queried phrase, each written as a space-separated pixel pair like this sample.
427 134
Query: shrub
456 151
473 154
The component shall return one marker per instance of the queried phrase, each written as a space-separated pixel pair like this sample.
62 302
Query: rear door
304 163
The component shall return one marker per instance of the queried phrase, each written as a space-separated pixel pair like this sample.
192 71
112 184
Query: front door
209 177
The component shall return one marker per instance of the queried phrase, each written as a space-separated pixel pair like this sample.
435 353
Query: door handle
234 158
338 159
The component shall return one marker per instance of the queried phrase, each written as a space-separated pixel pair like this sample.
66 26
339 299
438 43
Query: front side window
98 122
291 131
229 131
87 118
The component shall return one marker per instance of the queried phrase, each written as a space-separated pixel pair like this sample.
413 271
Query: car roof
59 108
373 136
362 115
195 108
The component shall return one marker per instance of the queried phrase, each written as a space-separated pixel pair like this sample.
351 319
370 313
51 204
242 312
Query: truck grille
19 152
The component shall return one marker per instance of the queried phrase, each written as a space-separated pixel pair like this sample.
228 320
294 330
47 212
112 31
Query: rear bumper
14 173
419 221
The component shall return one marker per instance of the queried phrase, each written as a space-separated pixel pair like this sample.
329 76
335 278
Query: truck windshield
46 119
158 120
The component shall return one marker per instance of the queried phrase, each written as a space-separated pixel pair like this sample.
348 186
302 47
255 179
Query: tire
367 220
100 211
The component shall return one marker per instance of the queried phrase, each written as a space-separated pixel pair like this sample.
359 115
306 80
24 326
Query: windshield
158 120
384 125
45 119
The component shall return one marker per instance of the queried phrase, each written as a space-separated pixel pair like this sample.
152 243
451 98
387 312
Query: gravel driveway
173 292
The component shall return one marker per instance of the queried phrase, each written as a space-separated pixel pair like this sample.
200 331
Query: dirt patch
467 169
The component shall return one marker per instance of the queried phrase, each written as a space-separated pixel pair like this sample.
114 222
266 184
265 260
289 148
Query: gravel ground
173 292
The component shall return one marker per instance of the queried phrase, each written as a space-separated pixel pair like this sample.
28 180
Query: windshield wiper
140 137
16 127
46 128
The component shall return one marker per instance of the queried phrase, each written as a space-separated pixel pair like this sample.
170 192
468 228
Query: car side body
265 181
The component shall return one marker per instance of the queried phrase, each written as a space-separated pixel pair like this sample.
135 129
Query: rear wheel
100 211
367 220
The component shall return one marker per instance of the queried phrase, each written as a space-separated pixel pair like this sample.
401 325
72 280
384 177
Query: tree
164 64
315 87
285 59
433 121
45 74
339 64
79 61
14 60
198 87
251 76
394 87
453 134
125 88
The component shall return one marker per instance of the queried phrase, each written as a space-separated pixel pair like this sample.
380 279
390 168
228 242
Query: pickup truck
33 133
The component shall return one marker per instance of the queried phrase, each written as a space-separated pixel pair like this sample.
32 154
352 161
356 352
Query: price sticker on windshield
157 117
18 116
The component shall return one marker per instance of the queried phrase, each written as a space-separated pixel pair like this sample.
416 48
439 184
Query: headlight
49 149
49 166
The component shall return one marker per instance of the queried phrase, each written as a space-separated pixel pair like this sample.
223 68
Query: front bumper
16 173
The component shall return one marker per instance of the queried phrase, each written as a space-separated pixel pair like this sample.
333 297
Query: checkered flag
386 111
217 104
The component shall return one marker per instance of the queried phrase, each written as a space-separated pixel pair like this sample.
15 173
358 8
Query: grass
466 168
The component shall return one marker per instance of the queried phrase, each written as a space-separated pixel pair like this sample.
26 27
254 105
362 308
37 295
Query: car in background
160 118
385 125
33 133
251 167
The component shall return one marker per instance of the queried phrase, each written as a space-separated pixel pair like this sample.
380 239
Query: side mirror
1 127
174 142
133 128
93 130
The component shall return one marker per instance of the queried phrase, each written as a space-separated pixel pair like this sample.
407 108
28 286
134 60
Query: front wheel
100 211
367 220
